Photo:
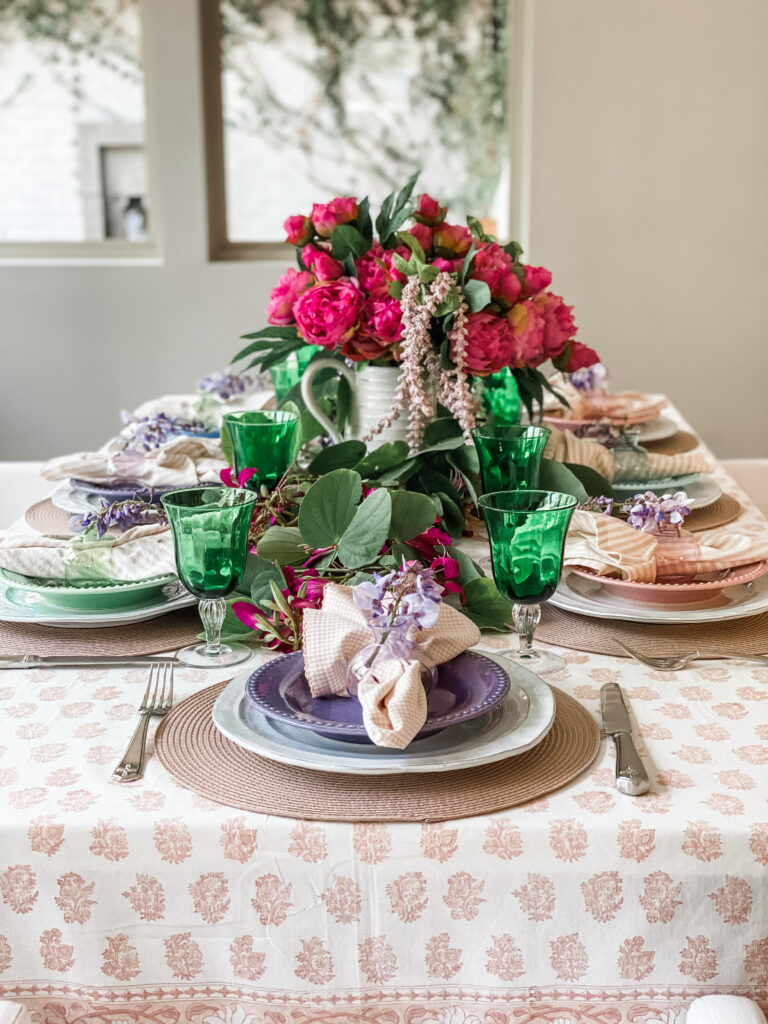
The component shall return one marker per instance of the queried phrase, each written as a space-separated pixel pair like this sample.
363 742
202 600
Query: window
72 113
306 100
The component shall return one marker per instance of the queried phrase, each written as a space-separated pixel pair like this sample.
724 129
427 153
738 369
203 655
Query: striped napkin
564 446
620 407
137 554
182 462
611 547
393 699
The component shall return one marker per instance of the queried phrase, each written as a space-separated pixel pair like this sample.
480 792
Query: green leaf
412 514
554 476
453 515
232 628
382 221
468 569
253 566
594 483
367 533
261 589
226 445
478 231
283 545
364 225
465 461
343 403
385 457
485 606
514 249
344 455
427 274
398 215
404 266
413 244
395 289
466 265
347 241
441 429
477 294
329 507
449 304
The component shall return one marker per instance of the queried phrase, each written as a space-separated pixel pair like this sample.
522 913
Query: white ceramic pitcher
373 391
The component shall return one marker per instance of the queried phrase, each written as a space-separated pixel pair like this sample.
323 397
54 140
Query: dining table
145 902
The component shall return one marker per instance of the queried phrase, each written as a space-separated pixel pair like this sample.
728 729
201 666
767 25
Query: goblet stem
526 617
212 612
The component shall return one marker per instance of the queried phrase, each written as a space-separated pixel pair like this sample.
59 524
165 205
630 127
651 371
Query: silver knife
631 776
25 661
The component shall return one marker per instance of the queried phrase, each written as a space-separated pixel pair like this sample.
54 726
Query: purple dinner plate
467 686
124 490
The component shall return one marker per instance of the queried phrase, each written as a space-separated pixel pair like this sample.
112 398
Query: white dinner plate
702 491
662 485
587 597
75 502
24 606
521 721
658 430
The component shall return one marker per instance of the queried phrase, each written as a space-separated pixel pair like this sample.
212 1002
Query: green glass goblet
501 397
210 540
262 440
510 456
527 533
287 373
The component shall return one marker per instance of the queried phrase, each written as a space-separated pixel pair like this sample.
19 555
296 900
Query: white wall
649 175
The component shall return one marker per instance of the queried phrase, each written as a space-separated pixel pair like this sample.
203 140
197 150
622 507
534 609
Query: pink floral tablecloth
146 903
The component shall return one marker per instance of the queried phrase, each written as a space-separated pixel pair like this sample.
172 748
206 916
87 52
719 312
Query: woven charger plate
45 517
151 636
200 758
720 512
600 636
678 444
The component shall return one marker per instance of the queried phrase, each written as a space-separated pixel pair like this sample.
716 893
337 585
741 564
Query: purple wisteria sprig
123 514
589 378
408 597
224 385
647 508
149 432
602 432
599 504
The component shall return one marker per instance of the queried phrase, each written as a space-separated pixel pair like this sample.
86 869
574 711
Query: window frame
515 224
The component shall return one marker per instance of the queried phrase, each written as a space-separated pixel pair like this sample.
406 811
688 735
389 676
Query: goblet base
541 663
228 654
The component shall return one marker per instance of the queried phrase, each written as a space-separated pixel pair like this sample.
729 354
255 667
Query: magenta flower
326 216
242 477
284 295
328 314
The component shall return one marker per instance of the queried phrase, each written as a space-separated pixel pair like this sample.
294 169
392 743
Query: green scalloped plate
90 596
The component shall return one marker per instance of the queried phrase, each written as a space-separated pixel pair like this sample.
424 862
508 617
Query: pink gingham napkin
393 699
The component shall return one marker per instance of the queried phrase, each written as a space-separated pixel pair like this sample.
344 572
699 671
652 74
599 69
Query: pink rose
490 343
423 236
326 216
451 240
536 280
372 273
527 325
449 266
380 328
321 263
494 266
328 313
284 295
429 211
389 255
559 325
580 357
298 229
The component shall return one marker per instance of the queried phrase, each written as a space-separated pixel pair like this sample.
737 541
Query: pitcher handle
309 398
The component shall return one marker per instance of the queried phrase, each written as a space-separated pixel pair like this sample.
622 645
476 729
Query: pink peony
451 240
559 325
285 293
328 313
388 257
581 356
527 325
429 211
491 343
327 216
423 236
536 280
380 328
321 263
298 230
372 272
449 266
494 266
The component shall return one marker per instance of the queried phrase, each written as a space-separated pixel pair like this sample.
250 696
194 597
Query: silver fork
674 663
156 701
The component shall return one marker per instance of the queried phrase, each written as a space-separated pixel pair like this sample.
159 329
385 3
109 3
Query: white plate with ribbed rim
521 721
23 606
587 597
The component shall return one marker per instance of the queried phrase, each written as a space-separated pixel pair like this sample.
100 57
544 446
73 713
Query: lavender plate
467 686
124 490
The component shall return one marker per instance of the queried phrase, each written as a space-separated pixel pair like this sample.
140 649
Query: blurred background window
72 114
351 96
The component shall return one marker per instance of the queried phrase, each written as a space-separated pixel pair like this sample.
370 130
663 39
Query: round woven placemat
200 758
679 443
599 636
151 636
45 517
720 512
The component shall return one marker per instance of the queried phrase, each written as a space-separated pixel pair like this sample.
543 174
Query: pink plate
670 592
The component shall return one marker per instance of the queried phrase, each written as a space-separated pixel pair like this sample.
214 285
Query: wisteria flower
648 508
123 514
146 433
224 385
589 378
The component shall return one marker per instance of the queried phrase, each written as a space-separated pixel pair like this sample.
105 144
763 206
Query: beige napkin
564 446
137 554
393 701
612 547
619 406
182 462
